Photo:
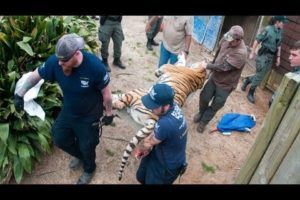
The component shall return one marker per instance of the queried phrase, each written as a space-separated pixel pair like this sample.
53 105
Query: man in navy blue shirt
163 151
86 93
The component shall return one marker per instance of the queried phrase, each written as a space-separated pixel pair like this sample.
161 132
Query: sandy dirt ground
213 158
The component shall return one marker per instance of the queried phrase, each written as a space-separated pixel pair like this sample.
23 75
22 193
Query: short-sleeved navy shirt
82 97
171 129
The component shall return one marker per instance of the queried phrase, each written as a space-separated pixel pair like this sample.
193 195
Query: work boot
85 178
107 67
246 81
75 163
149 46
250 95
153 42
197 117
118 62
201 127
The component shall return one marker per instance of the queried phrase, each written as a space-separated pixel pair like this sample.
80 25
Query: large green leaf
4 131
12 145
3 148
24 156
18 169
26 47
26 39
44 143
10 65
4 39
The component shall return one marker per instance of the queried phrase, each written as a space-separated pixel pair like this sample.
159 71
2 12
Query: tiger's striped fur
183 80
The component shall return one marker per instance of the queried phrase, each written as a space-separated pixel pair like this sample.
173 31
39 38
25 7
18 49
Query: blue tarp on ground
236 122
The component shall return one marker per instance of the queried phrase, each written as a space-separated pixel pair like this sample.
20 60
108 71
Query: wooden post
288 172
280 144
273 118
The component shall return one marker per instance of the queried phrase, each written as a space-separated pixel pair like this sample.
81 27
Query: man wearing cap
225 74
163 151
85 85
270 39
111 27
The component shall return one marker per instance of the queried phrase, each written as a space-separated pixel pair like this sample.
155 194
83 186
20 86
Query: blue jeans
165 56
151 171
78 139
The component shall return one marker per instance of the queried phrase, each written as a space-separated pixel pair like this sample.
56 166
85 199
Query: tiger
184 80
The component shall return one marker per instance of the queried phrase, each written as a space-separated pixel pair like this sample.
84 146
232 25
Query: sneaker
75 163
85 178
197 117
201 127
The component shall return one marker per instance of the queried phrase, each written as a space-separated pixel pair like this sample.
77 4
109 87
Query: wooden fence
274 157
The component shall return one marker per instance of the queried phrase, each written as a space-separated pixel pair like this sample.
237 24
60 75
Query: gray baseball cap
235 32
67 45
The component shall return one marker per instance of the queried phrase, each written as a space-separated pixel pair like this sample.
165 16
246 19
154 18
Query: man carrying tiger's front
226 71
163 151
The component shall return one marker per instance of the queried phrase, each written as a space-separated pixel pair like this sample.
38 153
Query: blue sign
200 23
206 30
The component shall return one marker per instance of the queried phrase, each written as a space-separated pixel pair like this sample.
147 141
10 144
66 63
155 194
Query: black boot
154 43
250 95
246 81
107 67
149 45
118 62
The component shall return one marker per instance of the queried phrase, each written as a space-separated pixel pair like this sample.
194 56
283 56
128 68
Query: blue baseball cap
160 94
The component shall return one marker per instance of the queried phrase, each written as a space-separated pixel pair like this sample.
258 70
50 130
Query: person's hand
251 55
203 64
19 103
140 153
107 120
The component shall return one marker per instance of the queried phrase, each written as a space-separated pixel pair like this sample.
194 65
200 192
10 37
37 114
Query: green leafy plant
25 43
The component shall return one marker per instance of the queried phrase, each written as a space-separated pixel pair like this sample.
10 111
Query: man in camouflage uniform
110 27
270 39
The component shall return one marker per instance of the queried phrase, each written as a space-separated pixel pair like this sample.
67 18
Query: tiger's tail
139 136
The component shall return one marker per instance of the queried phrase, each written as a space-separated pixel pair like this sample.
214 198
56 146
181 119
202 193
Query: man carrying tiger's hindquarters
163 152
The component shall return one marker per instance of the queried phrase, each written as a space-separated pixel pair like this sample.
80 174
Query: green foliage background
25 43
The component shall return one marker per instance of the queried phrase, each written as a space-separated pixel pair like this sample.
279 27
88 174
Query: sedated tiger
184 81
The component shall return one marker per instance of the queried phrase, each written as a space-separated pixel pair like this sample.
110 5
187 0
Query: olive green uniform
111 28
270 39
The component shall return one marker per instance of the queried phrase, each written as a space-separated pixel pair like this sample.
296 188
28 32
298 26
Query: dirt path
213 158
